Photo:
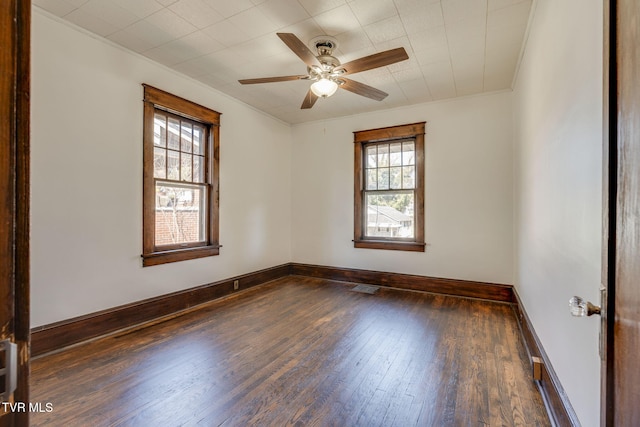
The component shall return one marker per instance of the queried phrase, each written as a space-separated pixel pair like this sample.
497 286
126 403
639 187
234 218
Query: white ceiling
455 47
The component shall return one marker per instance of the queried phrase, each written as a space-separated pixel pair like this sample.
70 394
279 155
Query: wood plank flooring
301 351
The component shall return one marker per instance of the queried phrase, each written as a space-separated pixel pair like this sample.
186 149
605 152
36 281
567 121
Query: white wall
87 179
558 208
468 194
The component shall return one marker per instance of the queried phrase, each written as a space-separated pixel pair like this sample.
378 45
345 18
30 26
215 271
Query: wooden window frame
413 131
156 99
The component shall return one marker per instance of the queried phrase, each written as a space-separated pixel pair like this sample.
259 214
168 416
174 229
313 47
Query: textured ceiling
455 47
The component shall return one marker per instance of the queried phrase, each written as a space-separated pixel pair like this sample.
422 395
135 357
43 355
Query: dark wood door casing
609 161
14 191
621 233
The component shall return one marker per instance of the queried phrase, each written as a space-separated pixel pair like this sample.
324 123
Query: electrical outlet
236 285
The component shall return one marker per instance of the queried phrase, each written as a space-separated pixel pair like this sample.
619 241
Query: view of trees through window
390 180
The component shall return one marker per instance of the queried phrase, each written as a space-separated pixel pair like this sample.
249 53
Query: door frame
621 150
15 58
609 208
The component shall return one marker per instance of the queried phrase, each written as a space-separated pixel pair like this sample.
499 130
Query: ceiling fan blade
376 60
309 100
363 89
299 48
271 79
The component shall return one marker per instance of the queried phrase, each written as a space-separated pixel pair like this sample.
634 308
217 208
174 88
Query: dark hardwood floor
301 351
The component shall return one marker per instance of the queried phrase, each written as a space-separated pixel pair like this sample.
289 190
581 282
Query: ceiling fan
328 73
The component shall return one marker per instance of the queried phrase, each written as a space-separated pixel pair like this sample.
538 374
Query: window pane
198 169
185 169
383 155
185 137
160 130
372 179
395 154
198 140
383 179
173 137
371 157
395 178
173 165
408 177
159 162
408 153
180 214
389 215
179 155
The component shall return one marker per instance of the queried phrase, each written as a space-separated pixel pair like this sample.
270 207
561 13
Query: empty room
320 212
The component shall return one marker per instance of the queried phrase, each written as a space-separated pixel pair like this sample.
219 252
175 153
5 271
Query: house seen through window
390 181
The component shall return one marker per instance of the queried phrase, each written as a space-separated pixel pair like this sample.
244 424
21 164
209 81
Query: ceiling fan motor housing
328 62
325 45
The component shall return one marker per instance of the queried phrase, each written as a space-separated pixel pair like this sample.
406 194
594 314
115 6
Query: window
180 182
389 188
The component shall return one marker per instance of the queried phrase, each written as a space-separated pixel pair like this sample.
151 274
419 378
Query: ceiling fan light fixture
324 88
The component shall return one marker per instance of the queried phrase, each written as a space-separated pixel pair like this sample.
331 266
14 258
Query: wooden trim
148 188
420 188
610 153
358 186
15 45
180 105
462 288
386 135
392 245
22 292
157 258
556 400
389 133
57 335
61 334
210 119
214 186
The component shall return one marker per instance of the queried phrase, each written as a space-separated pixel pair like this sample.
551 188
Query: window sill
175 255
390 245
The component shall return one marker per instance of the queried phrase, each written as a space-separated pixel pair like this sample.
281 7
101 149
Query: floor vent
366 289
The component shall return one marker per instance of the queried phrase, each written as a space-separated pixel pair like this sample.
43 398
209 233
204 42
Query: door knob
581 308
